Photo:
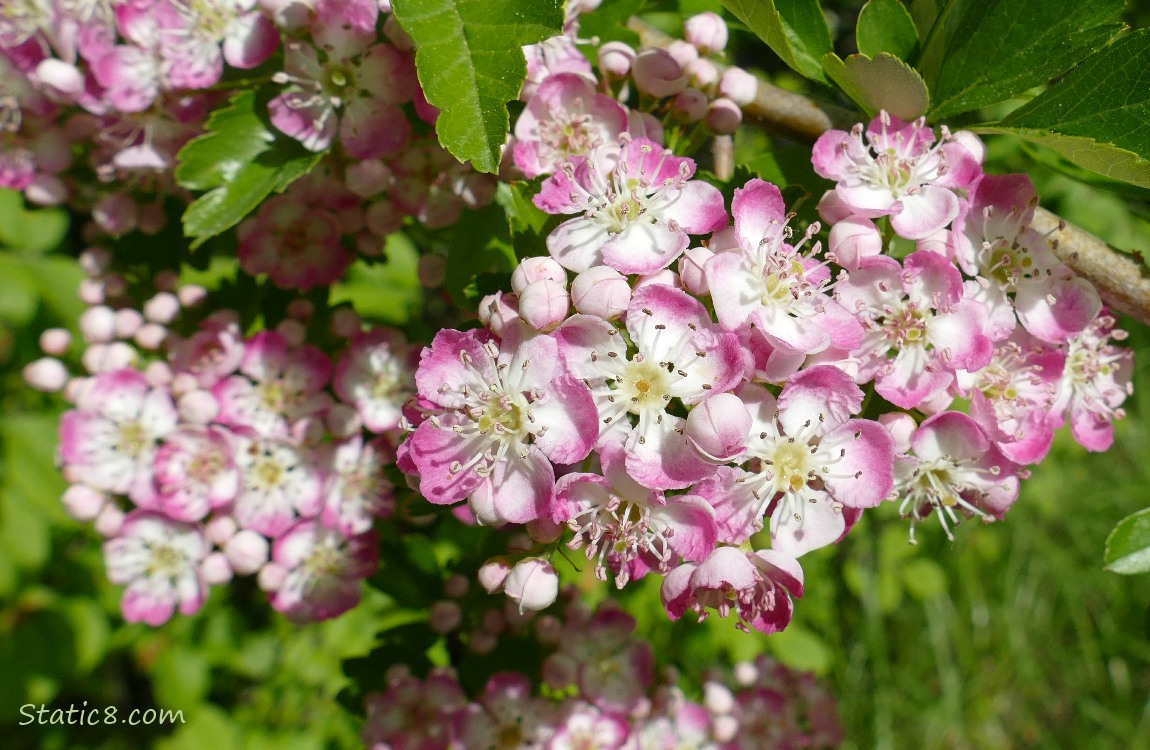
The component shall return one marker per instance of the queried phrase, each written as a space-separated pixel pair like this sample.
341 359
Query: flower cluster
701 376
601 691
210 453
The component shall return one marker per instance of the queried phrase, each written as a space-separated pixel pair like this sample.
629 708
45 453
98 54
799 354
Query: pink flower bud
271 576
62 81
95 260
247 551
832 209
107 357
198 406
183 383
684 52
746 674
46 374
383 217
293 331
343 420
535 269
690 104
718 427
658 74
300 309
724 116
158 374
532 584
46 190
432 271
444 616
456 586
91 292
496 310
707 31
83 503
482 642
220 529
544 304
116 214
345 322
666 277
153 218
115 285
493 573
109 520
725 728
128 321
216 569
98 324
691 270
739 86
601 291
615 59
901 427
854 239
150 336
703 73
191 295
718 698
162 308
368 178
544 530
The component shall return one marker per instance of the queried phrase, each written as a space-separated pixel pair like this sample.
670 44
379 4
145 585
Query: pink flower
680 357
1094 384
356 492
585 726
411 713
756 586
324 569
896 171
158 560
566 117
110 441
636 204
810 461
295 243
627 527
497 415
280 484
769 285
195 472
376 375
919 328
212 353
955 471
507 713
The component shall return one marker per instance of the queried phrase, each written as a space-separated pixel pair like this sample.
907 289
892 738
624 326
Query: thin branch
1120 280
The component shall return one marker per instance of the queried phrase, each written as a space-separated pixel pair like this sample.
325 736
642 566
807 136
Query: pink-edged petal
692 521
737 291
659 456
442 364
781 568
924 212
521 489
577 244
959 335
572 421
1057 308
738 513
865 474
251 39
949 434
822 395
821 523
758 209
643 247
699 208
726 567
433 451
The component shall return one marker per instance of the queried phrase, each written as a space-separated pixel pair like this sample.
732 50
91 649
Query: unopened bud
46 374
719 426
216 569
493 573
615 59
707 31
658 74
247 551
738 85
83 503
544 304
724 116
601 291
532 584
537 268
444 616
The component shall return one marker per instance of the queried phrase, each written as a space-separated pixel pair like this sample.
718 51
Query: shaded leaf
795 29
470 65
984 51
886 26
884 82
1128 546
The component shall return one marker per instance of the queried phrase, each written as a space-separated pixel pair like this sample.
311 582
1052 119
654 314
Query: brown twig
1120 280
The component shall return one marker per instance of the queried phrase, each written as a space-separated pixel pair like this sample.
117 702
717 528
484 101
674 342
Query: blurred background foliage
1010 636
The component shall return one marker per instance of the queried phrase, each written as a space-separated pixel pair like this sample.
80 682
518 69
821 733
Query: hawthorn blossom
158 560
636 204
110 440
585 726
506 715
211 353
376 375
1094 384
497 415
323 570
955 471
414 713
297 244
279 386
811 462
566 117
195 472
355 491
768 285
680 357
280 484
897 169
918 326
627 527
756 586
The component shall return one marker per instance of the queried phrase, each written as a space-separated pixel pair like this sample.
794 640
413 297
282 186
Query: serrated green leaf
884 82
1128 546
242 162
1098 116
924 13
984 51
886 26
796 30
470 64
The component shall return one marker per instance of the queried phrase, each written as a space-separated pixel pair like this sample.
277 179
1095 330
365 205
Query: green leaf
984 51
886 26
37 229
242 160
795 29
884 82
1128 546
924 579
470 65
608 22
1098 116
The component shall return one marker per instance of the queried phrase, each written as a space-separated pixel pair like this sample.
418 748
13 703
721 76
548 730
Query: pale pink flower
158 560
324 568
1094 384
280 484
377 375
195 472
356 492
